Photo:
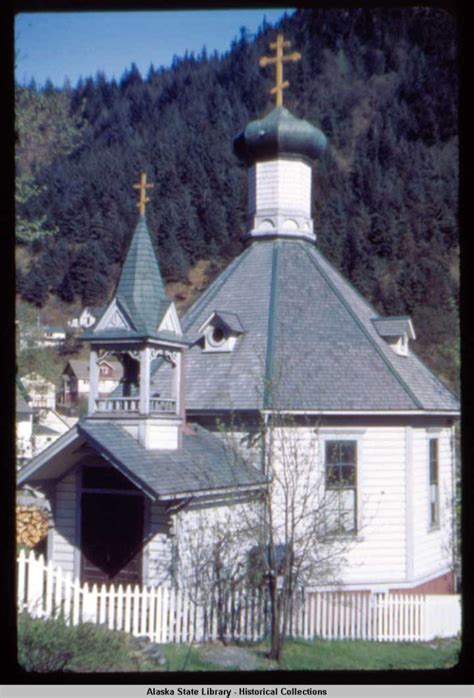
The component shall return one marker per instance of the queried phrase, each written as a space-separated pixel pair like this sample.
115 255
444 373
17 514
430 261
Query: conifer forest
381 83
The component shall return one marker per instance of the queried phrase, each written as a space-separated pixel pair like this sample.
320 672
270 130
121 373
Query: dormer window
220 332
217 337
396 331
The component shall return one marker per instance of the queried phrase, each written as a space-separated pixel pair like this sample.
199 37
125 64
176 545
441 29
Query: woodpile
31 525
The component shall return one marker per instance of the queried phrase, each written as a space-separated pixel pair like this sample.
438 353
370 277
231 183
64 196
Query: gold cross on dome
279 45
143 186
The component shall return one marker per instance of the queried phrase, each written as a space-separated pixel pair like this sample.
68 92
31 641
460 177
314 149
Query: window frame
356 438
433 506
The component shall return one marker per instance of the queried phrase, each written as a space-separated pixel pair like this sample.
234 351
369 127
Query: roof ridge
362 327
345 280
271 324
433 375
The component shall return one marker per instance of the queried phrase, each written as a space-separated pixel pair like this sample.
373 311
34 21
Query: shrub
43 645
51 645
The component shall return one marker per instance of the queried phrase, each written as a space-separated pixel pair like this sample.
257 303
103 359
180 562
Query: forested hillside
382 85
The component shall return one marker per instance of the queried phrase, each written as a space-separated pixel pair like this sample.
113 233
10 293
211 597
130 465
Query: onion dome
279 133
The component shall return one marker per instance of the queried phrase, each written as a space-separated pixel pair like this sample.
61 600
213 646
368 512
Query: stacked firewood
31 525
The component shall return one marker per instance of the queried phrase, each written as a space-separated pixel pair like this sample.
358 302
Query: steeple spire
278 59
139 325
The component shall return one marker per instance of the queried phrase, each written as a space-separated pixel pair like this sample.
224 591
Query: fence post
111 599
89 604
66 603
49 589
35 585
21 580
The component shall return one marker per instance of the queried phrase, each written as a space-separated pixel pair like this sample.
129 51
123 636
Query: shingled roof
140 293
203 463
309 342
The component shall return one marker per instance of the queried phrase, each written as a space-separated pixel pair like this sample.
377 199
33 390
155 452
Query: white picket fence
167 614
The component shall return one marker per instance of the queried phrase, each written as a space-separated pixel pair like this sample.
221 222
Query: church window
434 483
341 486
220 331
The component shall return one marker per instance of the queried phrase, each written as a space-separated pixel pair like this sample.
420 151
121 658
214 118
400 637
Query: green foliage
382 84
45 131
51 645
45 361
43 645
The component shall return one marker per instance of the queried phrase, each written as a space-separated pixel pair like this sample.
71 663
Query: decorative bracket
169 356
101 355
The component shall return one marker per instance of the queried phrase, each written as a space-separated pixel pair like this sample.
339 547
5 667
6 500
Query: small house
41 391
88 316
76 382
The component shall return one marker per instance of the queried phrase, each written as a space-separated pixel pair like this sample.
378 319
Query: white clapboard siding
64 521
280 184
431 547
158 549
167 614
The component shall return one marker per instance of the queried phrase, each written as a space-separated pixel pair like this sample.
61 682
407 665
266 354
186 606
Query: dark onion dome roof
279 133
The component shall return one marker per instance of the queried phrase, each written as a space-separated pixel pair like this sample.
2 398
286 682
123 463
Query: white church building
279 331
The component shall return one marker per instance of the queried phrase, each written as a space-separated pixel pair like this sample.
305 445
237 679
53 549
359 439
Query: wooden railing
132 404
161 404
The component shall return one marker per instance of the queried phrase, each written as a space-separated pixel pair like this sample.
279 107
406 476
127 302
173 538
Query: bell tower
140 326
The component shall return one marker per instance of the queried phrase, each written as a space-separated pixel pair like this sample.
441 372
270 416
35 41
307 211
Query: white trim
436 525
347 435
409 506
105 321
210 492
379 587
112 342
146 542
170 321
77 554
38 461
342 430
370 413
206 322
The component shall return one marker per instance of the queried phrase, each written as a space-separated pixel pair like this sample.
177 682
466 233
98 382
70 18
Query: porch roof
202 465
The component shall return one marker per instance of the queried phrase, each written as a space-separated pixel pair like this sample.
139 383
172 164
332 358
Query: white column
409 507
177 381
93 381
145 360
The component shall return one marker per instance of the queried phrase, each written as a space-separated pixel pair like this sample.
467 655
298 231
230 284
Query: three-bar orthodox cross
142 186
279 45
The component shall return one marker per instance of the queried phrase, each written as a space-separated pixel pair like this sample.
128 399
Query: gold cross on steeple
278 60
143 186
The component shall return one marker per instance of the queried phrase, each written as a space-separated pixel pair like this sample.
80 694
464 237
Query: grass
332 655
45 646
361 655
